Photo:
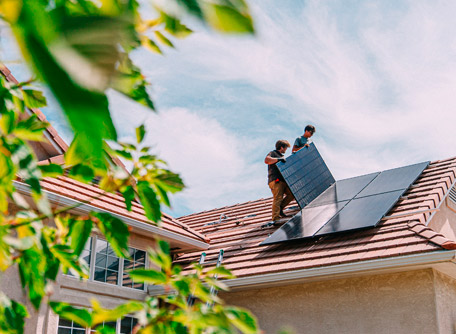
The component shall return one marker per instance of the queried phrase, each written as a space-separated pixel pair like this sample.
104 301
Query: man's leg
277 192
288 197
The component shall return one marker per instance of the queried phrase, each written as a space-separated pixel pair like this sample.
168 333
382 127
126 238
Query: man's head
282 146
309 130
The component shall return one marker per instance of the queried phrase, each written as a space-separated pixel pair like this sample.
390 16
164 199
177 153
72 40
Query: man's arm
269 160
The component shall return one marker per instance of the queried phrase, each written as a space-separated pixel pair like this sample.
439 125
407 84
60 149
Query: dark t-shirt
273 171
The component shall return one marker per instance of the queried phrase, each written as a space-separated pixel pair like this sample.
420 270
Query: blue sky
376 78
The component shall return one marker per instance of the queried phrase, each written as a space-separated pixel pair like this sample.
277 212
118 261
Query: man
303 141
279 188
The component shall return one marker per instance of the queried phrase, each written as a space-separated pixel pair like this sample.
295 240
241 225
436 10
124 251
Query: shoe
282 214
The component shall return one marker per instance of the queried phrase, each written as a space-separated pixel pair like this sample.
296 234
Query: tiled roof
403 233
114 203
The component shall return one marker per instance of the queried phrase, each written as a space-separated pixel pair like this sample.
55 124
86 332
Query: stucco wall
445 294
387 304
444 220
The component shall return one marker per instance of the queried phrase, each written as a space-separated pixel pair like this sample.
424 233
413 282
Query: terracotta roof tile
67 187
395 236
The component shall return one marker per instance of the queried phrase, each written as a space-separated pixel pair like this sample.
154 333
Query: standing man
279 188
302 141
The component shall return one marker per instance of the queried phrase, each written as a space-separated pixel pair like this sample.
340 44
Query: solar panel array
306 174
349 204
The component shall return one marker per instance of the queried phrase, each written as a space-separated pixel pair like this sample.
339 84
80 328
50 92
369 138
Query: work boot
282 214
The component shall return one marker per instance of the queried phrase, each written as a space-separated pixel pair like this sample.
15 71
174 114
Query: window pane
64 322
138 258
78 331
101 260
62 330
101 246
111 277
113 263
100 274
127 324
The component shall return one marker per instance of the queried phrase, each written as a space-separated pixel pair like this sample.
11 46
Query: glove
282 159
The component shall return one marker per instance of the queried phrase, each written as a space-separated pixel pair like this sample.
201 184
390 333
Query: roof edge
63 200
408 262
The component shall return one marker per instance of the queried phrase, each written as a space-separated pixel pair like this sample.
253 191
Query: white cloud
211 160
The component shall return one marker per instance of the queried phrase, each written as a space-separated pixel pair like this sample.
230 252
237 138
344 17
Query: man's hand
282 159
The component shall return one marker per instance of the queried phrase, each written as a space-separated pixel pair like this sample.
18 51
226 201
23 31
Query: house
109 281
397 277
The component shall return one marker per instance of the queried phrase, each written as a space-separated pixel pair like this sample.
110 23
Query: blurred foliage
79 49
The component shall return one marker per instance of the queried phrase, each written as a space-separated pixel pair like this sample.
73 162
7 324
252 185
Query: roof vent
452 194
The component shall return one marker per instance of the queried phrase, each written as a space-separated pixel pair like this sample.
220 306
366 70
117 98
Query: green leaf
192 6
130 82
87 110
221 271
82 173
242 319
129 195
34 98
69 260
151 45
228 19
140 133
12 315
174 26
31 270
149 201
79 233
162 39
148 276
115 231
51 170
80 316
31 129
100 314
124 154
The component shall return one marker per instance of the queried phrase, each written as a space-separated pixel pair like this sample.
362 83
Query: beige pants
279 190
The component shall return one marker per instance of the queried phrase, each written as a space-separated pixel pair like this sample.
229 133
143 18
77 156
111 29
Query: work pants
282 196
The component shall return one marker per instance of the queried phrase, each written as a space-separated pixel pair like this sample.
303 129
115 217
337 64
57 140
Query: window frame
119 282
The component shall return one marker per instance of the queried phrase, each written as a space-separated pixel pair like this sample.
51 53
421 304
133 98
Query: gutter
398 263
86 208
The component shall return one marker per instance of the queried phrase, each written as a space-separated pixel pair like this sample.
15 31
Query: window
105 266
123 326
69 327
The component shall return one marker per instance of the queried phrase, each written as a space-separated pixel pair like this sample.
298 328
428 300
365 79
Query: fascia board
393 264
86 208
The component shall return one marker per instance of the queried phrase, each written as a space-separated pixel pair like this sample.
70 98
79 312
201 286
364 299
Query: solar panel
361 212
306 174
343 190
349 204
394 179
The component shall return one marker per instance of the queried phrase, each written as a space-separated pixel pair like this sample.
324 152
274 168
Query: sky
376 78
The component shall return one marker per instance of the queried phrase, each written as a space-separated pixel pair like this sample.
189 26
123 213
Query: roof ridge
428 233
